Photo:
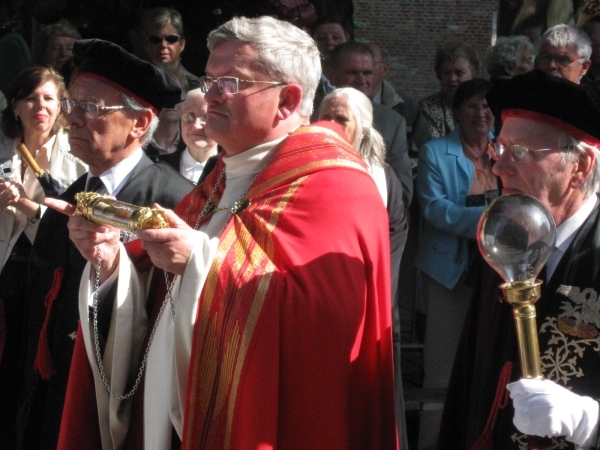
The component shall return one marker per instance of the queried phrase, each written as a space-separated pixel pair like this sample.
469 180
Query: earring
16 117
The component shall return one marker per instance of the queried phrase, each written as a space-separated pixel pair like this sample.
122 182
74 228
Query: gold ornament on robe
107 211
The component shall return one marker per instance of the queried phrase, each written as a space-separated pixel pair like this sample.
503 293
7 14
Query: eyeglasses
561 60
171 39
90 109
191 117
518 152
229 85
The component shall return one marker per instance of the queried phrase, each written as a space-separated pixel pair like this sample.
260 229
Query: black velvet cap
554 101
139 79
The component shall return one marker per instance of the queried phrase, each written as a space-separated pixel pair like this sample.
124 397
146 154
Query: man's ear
583 169
289 100
585 66
141 123
386 69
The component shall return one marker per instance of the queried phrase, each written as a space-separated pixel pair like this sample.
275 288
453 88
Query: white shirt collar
251 161
377 97
566 231
189 167
115 178
49 145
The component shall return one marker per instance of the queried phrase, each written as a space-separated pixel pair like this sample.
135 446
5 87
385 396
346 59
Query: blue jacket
444 179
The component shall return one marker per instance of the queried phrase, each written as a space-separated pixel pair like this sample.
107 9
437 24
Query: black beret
545 98
109 63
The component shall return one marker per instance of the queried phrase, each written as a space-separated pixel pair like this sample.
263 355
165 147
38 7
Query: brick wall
411 31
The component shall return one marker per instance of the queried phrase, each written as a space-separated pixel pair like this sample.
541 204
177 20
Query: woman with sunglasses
165 42
454 181
33 117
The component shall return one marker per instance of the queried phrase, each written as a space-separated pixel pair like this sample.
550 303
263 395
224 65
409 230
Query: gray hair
288 53
161 17
366 140
571 149
507 52
562 35
133 108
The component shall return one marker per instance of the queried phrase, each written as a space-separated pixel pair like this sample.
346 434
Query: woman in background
354 112
454 64
32 117
199 156
54 47
454 181
511 56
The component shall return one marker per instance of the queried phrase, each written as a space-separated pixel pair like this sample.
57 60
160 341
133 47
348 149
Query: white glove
543 408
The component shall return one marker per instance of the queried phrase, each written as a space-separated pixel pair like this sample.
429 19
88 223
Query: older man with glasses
269 296
548 148
564 52
112 111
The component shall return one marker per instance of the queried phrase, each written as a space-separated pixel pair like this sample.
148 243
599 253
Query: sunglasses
171 39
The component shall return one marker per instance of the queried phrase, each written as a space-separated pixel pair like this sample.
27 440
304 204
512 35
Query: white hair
562 35
508 51
288 53
571 149
134 107
366 140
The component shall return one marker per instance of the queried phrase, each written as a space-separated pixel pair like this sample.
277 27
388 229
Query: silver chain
209 208
97 341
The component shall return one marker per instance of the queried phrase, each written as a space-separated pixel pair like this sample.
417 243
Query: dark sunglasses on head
171 39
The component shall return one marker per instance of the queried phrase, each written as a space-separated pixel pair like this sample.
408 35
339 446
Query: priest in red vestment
264 320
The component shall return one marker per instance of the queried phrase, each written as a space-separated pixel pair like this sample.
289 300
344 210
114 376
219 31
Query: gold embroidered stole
241 278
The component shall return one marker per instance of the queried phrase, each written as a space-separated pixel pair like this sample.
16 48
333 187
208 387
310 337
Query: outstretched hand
92 240
169 248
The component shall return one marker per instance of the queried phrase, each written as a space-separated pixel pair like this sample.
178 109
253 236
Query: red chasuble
292 346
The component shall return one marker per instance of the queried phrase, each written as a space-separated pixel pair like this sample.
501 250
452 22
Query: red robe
292 347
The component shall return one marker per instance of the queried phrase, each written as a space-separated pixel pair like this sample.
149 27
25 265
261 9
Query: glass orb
516 236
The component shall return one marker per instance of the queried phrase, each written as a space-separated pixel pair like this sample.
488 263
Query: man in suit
383 93
112 111
351 64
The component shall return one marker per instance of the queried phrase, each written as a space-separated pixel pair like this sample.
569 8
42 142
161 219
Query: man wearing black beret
548 148
112 111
